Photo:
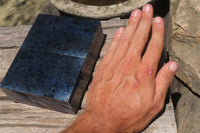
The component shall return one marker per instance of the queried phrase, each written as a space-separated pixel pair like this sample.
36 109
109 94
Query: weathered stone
187 106
187 57
6 58
186 21
113 23
185 41
9 55
99 12
2 74
12 37
183 46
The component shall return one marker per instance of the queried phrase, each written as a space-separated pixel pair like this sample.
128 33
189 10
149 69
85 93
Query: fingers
164 79
154 49
141 35
127 36
109 54
112 48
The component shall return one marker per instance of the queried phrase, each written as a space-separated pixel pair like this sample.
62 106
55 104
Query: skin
127 92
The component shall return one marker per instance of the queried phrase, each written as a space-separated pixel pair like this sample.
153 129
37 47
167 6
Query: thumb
164 79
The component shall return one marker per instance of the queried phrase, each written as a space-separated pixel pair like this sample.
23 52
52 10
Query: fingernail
157 20
135 13
120 30
146 8
173 67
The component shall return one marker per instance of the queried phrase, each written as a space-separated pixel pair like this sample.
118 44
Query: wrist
99 123
89 122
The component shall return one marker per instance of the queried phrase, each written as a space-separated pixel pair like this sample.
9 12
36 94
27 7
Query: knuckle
124 39
134 82
132 22
158 106
156 42
145 71
141 35
165 77
124 65
107 57
116 38
146 17
108 74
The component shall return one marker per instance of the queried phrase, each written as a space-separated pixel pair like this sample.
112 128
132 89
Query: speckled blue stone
61 35
50 59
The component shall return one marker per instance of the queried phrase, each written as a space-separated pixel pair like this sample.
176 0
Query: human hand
127 92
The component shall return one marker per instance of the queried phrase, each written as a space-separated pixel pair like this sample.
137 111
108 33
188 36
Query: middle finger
142 33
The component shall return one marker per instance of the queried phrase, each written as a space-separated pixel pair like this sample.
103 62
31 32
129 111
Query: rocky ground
19 12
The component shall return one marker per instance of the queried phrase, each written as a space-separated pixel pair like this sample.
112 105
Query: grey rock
185 41
99 12
188 59
186 21
187 106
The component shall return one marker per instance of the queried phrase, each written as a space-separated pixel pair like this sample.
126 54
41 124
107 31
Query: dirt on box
19 12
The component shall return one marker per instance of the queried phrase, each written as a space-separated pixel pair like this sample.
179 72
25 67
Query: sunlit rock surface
99 12
185 49
185 41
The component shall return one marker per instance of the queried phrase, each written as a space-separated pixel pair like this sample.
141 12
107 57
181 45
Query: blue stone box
55 62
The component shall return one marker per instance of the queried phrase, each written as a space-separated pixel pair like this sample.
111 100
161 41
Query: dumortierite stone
43 74
50 59
61 35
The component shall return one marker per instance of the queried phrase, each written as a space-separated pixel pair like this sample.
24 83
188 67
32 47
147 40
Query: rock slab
187 106
184 47
185 41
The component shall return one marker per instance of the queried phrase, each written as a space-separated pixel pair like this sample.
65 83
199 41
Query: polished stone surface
49 61
61 35
43 74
